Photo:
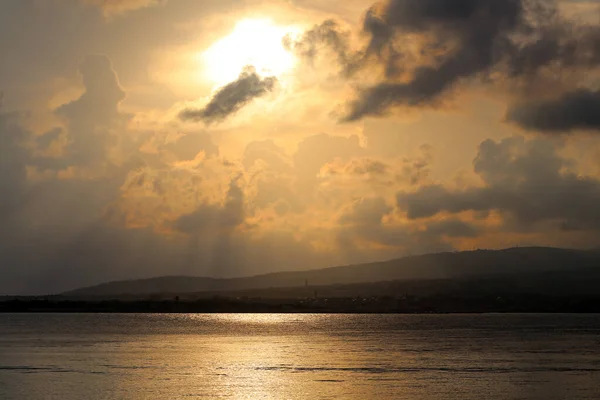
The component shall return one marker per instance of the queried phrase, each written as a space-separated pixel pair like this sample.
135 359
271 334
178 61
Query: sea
299 356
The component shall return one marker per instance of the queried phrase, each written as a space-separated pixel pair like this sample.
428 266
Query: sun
256 42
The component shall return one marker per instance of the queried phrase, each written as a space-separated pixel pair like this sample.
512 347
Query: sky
224 138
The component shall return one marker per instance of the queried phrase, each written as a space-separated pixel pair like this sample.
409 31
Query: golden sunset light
241 138
292 199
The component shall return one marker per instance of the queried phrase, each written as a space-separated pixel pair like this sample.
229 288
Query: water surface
249 356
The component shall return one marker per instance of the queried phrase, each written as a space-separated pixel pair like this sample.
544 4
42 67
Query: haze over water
237 356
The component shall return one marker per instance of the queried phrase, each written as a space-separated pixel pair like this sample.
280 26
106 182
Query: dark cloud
231 97
459 40
528 182
366 166
472 28
572 111
553 42
327 36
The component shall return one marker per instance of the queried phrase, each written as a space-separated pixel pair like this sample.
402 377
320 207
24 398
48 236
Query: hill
442 266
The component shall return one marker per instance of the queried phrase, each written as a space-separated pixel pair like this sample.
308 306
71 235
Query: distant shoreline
376 305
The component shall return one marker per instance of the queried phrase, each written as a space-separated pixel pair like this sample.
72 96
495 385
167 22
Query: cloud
317 150
291 183
272 176
140 217
268 152
450 43
103 93
82 203
471 28
390 173
578 110
80 170
278 177
362 226
51 233
452 228
527 181
187 146
367 212
13 161
117 7
93 119
368 224
220 239
327 35
356 167
214 219
556 43
60 215
232 97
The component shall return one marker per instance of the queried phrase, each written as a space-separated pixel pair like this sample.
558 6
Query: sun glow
256 42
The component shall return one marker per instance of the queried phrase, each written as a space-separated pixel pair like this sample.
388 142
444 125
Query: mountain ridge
420 267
